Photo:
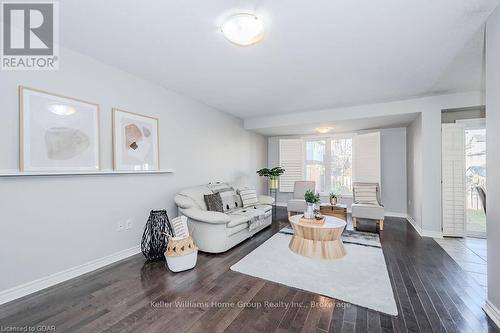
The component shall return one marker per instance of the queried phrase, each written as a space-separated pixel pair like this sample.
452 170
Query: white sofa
216 232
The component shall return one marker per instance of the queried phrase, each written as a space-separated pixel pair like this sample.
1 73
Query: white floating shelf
80 173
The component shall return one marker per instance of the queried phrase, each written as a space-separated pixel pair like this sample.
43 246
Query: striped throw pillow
179 224
248 197
218 187
366 194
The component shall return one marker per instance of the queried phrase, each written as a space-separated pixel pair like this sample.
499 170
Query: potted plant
311 199
333 198
272 175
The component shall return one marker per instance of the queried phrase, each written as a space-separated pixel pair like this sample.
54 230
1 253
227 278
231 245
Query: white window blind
366 158
453 179
292 160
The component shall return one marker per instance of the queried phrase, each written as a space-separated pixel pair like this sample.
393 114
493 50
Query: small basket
181 254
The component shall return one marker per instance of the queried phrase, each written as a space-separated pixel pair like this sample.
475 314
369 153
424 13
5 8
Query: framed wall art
135 142
57 133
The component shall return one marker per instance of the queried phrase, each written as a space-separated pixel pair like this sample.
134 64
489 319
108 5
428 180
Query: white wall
414 163
393 159
493 161
51 224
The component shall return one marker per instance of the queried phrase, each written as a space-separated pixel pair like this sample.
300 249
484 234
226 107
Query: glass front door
475 166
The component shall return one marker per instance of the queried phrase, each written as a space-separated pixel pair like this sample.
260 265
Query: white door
453 179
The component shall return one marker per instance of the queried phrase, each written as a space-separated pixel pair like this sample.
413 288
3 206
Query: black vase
154 242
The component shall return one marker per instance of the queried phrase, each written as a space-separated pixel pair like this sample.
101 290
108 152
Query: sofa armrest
206 216
183 202
266 200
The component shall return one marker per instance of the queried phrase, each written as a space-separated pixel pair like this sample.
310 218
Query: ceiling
342 126
466 71
315 55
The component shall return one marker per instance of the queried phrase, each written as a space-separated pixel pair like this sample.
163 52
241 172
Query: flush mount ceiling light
323 130
243 29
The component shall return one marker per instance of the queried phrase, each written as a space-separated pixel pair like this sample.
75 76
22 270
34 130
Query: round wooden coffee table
321 241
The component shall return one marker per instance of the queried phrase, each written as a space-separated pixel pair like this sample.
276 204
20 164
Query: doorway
463 172
475 176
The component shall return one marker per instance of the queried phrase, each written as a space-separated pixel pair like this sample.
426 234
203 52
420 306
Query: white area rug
360 277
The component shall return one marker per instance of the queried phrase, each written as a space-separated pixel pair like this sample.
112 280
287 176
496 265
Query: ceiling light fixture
323 130
243 29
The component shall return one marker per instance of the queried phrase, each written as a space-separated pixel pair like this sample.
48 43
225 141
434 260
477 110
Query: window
341 165
328 162
315 163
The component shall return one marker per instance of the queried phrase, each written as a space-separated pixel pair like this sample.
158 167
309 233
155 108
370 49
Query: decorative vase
333 201
273 183
154 243
309 213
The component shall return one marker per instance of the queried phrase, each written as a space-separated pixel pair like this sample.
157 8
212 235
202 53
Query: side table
338 210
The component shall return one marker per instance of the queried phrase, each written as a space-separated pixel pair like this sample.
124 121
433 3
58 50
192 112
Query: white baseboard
394 214
492 312
56 278
423 232
432 234
414 224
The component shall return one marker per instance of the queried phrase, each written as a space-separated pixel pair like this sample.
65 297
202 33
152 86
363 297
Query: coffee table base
333 249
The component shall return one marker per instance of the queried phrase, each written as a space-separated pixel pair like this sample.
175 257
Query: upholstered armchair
366 203
298 203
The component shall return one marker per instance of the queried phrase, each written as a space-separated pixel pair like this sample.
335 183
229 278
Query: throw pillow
179 224
218 186
249 197
230 200
214 202
366 194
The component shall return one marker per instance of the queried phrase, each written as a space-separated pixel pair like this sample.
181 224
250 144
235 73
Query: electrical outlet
120 226
128 224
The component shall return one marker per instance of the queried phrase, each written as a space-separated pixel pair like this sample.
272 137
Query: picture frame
136 142
57 133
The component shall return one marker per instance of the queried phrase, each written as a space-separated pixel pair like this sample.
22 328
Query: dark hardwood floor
432 292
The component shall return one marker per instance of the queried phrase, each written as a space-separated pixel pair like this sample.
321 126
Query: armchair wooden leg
354 222
381 225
